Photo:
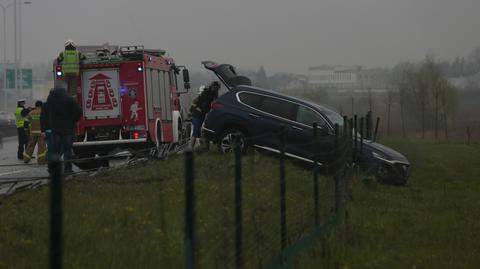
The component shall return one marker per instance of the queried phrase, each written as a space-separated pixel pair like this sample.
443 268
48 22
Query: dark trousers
60 145
22 142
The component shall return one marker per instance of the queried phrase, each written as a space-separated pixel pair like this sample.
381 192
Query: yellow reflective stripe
25 155
42 154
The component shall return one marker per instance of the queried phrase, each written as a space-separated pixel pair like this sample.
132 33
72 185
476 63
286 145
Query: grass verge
433 222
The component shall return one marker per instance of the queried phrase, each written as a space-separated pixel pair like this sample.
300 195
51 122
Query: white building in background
347 78
341 77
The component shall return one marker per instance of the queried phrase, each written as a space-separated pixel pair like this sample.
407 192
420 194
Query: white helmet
69 42
200 89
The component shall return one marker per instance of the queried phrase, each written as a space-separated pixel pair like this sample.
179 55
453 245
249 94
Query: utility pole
20 45
15 47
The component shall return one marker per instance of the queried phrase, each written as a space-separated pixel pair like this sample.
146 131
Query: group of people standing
29 132
49 126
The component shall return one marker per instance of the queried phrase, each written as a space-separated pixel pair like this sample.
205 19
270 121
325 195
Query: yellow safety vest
19 120
71 62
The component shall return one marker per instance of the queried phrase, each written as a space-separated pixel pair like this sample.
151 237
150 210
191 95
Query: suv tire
229 138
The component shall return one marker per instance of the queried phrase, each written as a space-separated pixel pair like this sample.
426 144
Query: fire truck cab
129 97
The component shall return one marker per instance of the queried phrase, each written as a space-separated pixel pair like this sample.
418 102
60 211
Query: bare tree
448 99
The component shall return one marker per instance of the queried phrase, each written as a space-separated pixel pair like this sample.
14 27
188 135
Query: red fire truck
129 98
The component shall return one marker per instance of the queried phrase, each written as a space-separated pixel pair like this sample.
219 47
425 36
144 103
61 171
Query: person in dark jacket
59 115
200 107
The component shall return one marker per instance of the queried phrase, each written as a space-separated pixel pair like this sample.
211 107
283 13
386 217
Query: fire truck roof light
59 73
139 69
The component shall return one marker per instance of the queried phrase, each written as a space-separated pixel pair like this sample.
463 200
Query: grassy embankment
134 218
433 222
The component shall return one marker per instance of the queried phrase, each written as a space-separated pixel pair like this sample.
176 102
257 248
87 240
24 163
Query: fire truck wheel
183 132
158 135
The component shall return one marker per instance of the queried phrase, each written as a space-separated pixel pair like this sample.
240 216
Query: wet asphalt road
13 169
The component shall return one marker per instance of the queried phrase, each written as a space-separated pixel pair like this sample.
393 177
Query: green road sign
27 77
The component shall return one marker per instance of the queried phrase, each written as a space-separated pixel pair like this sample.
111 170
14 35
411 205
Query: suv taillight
216 105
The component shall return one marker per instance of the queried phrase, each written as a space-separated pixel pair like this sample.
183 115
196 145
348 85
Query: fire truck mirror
186 78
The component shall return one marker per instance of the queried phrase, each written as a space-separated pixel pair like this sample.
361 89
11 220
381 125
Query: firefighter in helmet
36 136
70 60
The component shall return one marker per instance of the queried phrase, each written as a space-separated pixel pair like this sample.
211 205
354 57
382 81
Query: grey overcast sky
281 35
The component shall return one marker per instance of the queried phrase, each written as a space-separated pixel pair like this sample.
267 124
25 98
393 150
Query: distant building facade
347 78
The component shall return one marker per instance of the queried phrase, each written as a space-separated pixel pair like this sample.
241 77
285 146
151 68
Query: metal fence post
238 207
361 136
56 215
189 212
368 123
283 207
376 129
337 168
356 137
315 175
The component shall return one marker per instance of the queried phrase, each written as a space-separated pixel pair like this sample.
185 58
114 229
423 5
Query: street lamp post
4 9
20 40
20 63
17 46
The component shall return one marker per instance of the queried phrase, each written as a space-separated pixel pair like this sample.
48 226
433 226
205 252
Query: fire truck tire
158 134
183 132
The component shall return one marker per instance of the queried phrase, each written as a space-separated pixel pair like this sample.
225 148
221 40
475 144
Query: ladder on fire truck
140 49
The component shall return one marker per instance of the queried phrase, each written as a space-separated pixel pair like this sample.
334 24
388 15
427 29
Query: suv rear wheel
230 138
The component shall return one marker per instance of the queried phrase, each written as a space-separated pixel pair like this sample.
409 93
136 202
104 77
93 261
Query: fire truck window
149 93
157 84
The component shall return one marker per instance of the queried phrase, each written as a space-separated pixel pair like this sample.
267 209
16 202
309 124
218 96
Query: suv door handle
296 128
253 115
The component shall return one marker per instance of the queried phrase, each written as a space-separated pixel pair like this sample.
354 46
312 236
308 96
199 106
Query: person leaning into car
200 107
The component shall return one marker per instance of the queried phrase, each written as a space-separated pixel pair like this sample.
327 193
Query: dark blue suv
252 117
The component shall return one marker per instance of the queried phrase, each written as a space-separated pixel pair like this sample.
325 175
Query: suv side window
307 116
279 107
253 100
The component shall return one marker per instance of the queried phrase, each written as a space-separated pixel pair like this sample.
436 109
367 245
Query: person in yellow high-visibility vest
37 138
20 122
70 59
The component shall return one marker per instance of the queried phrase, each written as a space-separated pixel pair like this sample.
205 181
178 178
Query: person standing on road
58 118
200 107
20 113
70 59
37 138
